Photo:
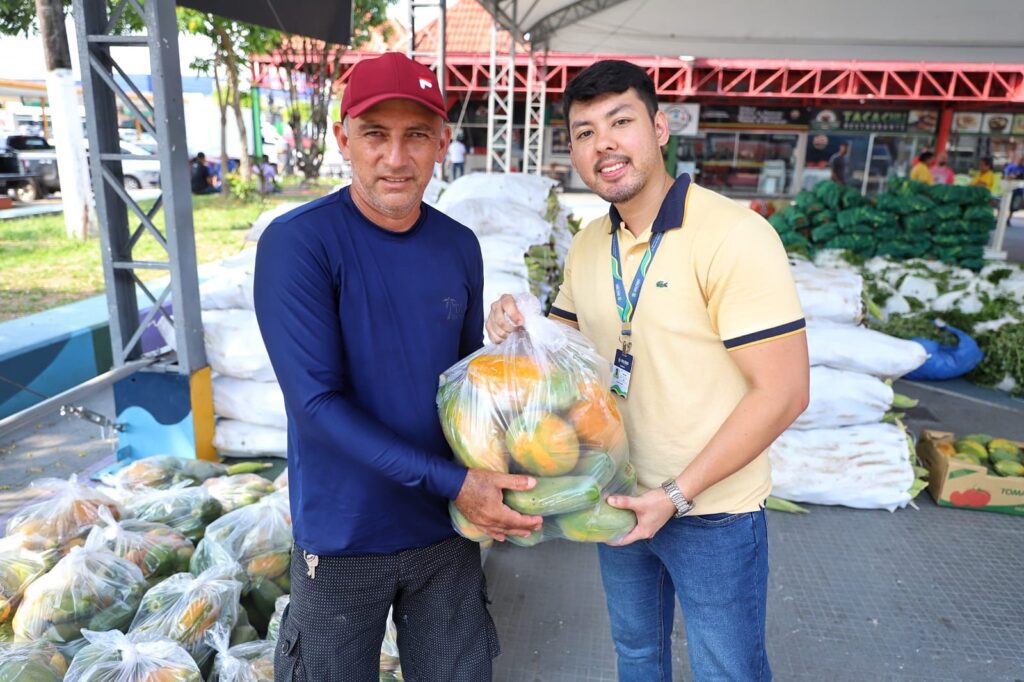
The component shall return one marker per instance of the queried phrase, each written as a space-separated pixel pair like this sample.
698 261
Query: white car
139 173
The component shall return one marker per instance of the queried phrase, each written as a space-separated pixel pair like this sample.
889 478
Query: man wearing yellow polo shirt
689 296
920 172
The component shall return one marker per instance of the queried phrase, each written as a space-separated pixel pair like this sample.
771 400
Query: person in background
986 176
284 156
941 171
363 298
839 163
1015 171
457 158
268 176
711 369
202 181
920 172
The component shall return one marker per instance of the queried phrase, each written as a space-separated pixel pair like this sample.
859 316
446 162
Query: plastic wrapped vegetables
116 657
249 662
18 568
38 661
274 628
163 471
259 538
238 490
185 607
64 517
185 508
89 588
539 404
156 548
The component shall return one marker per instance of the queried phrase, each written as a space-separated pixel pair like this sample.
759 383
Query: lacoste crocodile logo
662 284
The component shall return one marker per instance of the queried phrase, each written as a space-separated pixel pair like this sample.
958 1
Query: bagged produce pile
137 657
259 538
185 608
188 509
909 220
248 662
157 549
64 516
19 566
539 404
274 627
867 467
163 471
91 588
38 661
240 490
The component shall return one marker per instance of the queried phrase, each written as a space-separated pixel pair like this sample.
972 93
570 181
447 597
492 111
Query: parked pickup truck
33 173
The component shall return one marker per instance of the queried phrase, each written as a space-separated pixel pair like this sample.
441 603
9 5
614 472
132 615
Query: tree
18 17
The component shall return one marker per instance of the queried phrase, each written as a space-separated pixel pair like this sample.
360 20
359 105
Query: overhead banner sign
683 119
754 117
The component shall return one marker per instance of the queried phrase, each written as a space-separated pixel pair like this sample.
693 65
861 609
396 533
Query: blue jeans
718 566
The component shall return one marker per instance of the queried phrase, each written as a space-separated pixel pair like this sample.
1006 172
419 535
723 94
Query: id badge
622 369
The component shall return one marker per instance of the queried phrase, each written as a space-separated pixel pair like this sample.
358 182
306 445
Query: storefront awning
328 21
904 30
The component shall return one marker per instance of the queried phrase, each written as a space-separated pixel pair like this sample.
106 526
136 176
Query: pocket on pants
287 656
714 520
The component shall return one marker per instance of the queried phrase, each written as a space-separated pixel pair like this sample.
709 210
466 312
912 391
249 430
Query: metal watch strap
683 505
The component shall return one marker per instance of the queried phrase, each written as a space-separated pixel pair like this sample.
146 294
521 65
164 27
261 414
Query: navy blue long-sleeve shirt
359 323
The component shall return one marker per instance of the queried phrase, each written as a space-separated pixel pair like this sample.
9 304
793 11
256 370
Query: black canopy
328 20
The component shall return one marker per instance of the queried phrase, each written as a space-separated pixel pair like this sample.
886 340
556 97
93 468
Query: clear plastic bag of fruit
64 515
136 657
184 507
274 628
37 661
259 538
281 482
90 588
539 403
249 662
239 490
185 607
157 549
19 566
390 665
163 471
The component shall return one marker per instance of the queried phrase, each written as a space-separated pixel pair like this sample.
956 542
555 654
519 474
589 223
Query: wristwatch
683 505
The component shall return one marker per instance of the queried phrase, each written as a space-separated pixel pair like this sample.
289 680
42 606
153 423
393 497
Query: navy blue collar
670 216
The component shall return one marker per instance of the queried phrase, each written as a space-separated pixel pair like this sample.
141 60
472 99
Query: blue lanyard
626 304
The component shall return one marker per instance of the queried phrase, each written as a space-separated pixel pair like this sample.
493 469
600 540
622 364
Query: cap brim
357 110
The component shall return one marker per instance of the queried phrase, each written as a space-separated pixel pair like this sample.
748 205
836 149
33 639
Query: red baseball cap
391 76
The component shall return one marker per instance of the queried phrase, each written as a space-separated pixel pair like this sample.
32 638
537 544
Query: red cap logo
391 76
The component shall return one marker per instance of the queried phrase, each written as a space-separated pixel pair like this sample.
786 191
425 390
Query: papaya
543 444
464 526
603 523
1009 468
534 538
555 495
947 449
598 465
971 447
982 438
472 433
507 379
1001 455
557 392
1003 447
967 457
624 482
596 418
268 565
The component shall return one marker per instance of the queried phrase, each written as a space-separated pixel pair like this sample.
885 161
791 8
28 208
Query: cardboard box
954 483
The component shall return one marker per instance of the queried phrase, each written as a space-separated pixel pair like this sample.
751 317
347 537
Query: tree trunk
231 64
222 104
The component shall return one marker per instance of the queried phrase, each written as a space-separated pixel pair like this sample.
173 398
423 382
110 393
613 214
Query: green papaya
982 438
967 457
624 482
603 523
971 447
996 455
1002 449
555 495
464 526
1006 467
598 465
534 538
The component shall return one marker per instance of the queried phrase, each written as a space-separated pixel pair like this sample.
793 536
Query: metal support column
437 58
500 100
106 89
533 135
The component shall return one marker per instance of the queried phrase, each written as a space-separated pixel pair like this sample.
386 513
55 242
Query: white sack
234 346
240 439
435 188
256 402
829 294
924 290
227 288
264 219
840 398
866 467
858 349
488 217
521 188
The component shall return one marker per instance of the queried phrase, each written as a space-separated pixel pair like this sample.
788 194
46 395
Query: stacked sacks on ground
848 447
909 220
539 404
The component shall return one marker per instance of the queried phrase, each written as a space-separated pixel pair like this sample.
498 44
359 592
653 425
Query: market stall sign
682 118
764 118
860 120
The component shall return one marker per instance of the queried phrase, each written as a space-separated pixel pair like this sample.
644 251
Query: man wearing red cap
364 298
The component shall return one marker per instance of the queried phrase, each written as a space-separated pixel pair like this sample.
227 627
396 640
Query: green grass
40 268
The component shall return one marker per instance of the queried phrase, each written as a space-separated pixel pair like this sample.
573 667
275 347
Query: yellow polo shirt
922 173
719 281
